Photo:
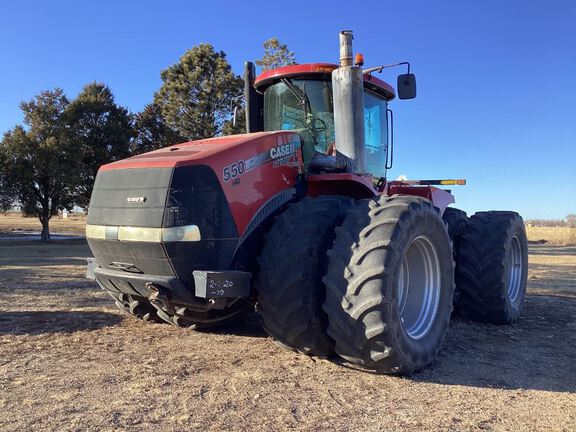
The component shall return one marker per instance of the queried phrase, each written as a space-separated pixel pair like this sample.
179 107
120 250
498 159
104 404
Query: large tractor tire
390 283
455 221
492 266
138 307
291 266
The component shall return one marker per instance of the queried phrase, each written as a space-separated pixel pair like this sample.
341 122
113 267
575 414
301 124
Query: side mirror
406 86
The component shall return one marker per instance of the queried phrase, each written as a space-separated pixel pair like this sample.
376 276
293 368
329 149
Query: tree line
49 163
569 221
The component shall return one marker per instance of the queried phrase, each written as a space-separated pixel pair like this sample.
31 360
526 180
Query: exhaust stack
348 94
346 48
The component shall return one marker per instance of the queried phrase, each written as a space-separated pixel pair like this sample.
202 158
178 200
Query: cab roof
323 70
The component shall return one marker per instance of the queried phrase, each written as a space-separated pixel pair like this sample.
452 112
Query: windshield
306 106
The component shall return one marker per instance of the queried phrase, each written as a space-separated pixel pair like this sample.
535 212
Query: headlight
183 233
143 234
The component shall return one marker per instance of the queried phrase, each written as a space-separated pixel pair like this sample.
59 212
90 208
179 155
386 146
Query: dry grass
561 236
75 224
70 361
14 222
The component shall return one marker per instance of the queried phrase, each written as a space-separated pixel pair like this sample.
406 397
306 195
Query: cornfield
561 236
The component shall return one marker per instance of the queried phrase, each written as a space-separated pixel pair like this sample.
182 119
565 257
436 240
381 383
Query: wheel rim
514 269
418 293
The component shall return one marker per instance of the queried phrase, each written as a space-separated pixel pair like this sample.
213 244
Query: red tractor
297 216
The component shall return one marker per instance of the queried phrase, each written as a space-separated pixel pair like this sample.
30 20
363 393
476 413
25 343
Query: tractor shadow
35 323
251 327
552 250
536 353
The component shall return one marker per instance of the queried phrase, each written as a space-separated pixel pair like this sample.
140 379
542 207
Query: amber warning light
359 61
445 182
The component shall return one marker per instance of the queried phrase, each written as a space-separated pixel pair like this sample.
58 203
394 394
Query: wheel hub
418 288
514 270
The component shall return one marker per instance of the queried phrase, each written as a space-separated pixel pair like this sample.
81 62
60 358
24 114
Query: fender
361 187
440 198
347 184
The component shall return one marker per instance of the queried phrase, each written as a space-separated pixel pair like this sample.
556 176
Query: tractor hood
220 188
196 152
248 168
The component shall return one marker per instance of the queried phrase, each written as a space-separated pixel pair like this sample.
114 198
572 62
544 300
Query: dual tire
492 267
373 280
291 265
207 318
390 285
370 280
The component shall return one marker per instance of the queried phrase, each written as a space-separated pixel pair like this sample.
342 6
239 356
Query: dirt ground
69 361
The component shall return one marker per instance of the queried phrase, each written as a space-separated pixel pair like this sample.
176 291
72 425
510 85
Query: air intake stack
348 91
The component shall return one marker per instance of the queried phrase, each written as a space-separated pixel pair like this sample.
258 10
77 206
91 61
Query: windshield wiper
310 119
300 95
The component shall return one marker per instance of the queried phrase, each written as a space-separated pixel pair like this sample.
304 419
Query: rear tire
390 283
291 266
455 220
492 266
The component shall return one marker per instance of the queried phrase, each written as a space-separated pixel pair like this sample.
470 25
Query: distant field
75 224
14 222
561 236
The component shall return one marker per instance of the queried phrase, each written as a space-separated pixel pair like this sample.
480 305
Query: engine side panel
253 173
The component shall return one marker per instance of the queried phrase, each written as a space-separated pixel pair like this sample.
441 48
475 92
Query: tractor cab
300 98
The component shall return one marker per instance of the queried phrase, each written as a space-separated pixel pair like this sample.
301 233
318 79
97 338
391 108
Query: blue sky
496 79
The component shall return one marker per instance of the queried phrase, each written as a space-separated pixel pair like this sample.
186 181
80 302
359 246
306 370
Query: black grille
130 197
196 198
181 196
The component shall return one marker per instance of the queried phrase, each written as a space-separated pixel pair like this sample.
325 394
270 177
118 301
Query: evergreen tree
151 131
276 55
38 165
197 93
101 131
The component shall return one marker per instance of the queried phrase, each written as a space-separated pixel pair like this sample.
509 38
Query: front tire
390 283
204 318
138 307
291 266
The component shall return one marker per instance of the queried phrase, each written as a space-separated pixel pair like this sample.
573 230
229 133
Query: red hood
183 154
